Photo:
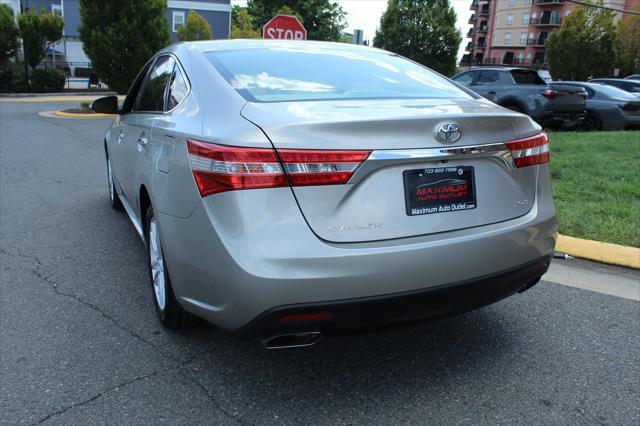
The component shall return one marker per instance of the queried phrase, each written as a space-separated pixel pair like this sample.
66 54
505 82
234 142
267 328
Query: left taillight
219 168
530 151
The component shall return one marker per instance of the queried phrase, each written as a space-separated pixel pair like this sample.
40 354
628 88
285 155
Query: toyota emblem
448 132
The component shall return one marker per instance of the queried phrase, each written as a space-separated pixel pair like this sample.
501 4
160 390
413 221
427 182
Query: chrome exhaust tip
292 340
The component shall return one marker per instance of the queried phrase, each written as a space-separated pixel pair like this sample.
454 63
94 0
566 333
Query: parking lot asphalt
79 342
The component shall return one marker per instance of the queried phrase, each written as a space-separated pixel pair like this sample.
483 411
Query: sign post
284 27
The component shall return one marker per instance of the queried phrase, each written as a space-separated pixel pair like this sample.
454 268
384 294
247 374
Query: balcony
483 28
484 10
548 2
474 5
536 42
546 21
480 44
466 60
471 33
473 18
469 46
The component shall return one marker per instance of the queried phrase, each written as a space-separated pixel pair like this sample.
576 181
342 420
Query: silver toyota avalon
287 190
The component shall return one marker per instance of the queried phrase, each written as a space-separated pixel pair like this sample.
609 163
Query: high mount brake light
219 168
530 151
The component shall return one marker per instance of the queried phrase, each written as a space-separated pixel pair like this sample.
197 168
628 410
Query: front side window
306 73
178 21
465 79
151 97
56 9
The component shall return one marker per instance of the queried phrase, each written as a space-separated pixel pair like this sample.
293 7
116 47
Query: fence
79 76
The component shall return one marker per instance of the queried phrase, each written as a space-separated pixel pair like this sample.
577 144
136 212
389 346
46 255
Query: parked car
609 108
628 85
287 190
522 90
633 77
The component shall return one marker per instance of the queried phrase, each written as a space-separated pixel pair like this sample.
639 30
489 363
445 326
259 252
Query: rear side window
526 77
177 90
151 97
465 79
488 77
304 72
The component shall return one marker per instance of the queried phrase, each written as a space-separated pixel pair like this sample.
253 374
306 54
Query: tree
39 31
629 45
119 37
323 19
422 30
585 46
196 28
241 26
9 42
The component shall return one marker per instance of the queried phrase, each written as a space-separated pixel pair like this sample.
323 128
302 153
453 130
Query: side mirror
106 105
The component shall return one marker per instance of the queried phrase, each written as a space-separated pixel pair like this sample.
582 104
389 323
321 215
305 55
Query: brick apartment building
513 32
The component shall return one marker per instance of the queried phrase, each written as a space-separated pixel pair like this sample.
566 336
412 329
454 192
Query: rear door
486 84
138 124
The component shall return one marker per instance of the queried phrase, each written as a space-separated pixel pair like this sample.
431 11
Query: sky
365 15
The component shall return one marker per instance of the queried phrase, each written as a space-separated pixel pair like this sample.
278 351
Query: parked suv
523 90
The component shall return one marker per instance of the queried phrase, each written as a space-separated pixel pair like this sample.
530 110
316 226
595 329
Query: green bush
47 80
12 79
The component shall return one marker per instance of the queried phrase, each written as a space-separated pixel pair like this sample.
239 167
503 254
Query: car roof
241 44
609 79
495 68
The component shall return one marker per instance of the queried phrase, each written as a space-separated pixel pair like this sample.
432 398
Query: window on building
528 57
512 2
178 21
527 1
525 18
523 38
520 57
507 38
509 19
56 9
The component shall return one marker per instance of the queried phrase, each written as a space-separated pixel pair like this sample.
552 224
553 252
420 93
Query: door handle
491 93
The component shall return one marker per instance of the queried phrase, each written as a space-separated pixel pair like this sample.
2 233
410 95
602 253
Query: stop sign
284 27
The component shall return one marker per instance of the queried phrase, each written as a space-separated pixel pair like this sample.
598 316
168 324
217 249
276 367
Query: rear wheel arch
513 104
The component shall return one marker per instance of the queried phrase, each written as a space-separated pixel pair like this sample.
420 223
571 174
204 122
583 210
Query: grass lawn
596 184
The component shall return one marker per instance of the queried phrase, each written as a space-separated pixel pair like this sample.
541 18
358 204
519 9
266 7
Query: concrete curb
612 254
80 115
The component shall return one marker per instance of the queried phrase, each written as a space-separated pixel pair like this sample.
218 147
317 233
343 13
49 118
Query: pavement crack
212 398
93 398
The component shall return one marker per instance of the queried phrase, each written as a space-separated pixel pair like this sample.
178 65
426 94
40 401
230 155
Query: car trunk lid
401 137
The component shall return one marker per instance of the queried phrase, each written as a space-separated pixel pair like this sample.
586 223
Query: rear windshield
279 74
615 92
526 77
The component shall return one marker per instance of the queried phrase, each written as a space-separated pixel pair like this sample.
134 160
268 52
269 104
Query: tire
592 122
169 311
113 194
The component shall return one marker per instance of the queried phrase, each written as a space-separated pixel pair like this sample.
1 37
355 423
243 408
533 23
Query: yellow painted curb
79 115
613 254
55 99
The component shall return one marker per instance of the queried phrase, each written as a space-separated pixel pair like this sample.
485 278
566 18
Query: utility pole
24 9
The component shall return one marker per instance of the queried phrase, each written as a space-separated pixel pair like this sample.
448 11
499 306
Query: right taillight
530 151
220 168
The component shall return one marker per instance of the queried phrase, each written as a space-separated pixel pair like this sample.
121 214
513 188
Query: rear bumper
362 314
230 268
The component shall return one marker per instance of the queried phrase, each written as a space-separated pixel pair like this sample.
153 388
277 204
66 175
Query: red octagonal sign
284 27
